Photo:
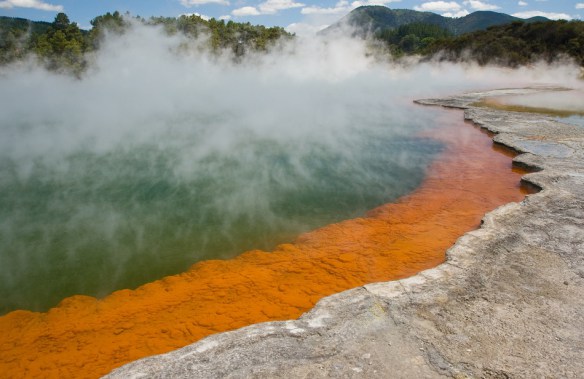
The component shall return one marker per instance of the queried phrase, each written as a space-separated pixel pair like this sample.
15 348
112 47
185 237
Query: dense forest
515 44
412 38
62 45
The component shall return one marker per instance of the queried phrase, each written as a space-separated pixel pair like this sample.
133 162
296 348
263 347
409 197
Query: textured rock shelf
508 302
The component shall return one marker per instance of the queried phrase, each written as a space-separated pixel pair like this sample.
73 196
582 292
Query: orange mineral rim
85 338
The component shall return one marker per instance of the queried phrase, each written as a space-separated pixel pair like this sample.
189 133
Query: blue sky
301 16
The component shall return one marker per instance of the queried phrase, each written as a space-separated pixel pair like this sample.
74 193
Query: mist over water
569 102
162 156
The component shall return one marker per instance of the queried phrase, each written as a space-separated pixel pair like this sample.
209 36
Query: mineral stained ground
507 303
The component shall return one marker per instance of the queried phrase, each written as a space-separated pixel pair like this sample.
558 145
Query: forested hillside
367 20
62 45
514 44
413 38
485 37
15 34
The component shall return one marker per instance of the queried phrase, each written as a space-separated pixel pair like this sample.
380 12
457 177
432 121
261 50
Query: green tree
409 43
113 23
412 38
62 46
61 21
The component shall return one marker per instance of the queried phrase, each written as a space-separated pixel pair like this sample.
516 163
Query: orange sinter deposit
85 338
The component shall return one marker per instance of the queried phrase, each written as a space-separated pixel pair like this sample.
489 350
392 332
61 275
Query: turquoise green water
90 221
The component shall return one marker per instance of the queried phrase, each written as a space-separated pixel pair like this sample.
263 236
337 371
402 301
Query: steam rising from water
162 156
570 103
564 100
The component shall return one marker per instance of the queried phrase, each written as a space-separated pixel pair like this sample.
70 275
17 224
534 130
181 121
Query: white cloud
343 6
273 6
319 10
480 6
580 6
245 11
225 17
267 7
460 13
522 3
359 3
550 15
190 3
340 7
35 4
302 29
439 6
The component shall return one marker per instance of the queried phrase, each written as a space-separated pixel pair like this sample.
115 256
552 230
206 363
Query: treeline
224 35
62 45
412 38
16 36
513 45
516 44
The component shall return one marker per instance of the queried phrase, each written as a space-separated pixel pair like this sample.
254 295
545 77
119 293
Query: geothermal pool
566 105
86 337
84 220
569 105
166 197
569 101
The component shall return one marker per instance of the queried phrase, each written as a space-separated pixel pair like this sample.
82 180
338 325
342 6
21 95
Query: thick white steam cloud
88 166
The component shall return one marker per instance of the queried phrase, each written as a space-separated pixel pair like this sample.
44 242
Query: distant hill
23 25
16 35
376 18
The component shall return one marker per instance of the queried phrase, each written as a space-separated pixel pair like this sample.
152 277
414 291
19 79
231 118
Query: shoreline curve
85 337
508 301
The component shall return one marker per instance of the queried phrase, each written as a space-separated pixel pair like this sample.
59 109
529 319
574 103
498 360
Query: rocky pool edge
508 302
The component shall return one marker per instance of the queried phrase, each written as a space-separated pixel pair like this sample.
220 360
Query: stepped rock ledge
507 303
